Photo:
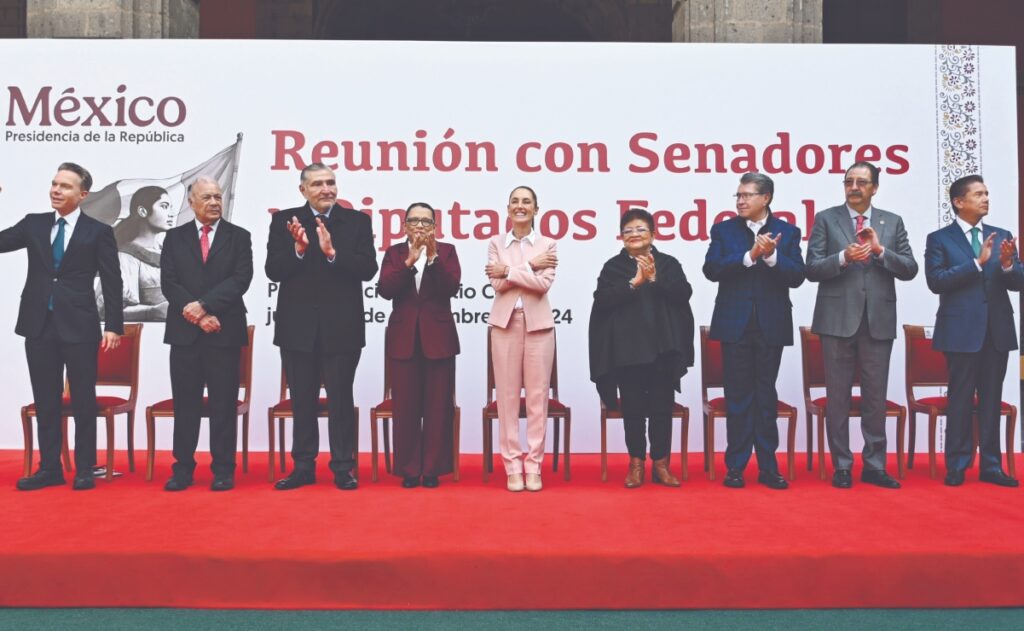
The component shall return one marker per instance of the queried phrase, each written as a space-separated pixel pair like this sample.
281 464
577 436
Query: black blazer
90 250
319 302
219 284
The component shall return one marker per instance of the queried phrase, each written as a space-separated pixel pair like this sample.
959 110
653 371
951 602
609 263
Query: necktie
58 243
860 223
204 242
975 241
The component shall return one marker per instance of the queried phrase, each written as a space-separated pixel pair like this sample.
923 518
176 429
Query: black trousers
194 367
303 371
48 356
751 368
978 373
648 394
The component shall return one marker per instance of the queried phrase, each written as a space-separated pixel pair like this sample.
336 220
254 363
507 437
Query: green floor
833 619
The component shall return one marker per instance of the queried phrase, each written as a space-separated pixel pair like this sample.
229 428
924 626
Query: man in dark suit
755 259
320 253
60 322
420 277
205 270
855 253
974 325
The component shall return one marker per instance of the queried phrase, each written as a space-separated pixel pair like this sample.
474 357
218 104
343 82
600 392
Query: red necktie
860 223
204 242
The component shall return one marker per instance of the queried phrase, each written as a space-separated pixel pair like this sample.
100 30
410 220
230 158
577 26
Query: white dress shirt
213 230
70 220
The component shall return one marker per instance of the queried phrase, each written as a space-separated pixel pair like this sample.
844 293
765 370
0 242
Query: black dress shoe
84 482
842 479
295 480
346 481
430 482
177 483
998 477
879 478
40 480
954 478
772 480
734 479
410 482
222 483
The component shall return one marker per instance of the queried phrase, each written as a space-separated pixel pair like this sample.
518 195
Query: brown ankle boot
661 475
635 477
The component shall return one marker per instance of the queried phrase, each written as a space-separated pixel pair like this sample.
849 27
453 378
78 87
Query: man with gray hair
755 259
205 270
855 253
320 253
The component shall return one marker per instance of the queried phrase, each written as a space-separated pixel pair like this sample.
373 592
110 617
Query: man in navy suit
755 259
60 322
205 270
974 325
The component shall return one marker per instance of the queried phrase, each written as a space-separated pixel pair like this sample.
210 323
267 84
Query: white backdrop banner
593 128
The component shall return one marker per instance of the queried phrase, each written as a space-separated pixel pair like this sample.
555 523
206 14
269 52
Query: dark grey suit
855 315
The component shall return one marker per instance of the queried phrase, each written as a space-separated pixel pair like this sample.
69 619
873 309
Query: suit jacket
845 292
427 312
760 290
320 302
90 250
971 302
219 283
522 282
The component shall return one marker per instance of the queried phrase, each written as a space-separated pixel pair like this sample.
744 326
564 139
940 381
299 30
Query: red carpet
466 545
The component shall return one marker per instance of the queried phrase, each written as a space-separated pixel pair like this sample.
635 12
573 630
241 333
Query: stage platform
470 545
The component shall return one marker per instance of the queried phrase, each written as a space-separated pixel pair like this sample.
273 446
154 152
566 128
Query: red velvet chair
814 377
382 413
926 367
165 409
557 411
712 375
116 367
283 410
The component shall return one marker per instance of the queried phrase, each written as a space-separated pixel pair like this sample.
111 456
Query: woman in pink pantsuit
521 268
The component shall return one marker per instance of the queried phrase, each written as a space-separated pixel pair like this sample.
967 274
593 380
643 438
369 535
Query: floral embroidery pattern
958 135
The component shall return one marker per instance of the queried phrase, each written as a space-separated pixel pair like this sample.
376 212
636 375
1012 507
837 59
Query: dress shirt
867 224
70 220
213 230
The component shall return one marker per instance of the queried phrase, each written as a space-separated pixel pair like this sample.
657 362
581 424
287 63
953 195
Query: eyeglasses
859 182
746 196
416 221
637 231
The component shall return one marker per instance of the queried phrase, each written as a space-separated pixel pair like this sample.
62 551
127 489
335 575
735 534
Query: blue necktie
975 241
58 251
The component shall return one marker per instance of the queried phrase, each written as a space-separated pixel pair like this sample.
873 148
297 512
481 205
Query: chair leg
791 447
110 448
975 439
388 462
150 443
932 468
822 475
373 444
1011 426
684 444
270 446
281 442
245 443
901 429
566 445
911 439
810 442
554 444
131 441
65 450
711 448
707 455
26 429
484 426
604 448
456 433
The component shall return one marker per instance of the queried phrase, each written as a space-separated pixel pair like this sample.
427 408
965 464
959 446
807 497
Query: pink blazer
522 282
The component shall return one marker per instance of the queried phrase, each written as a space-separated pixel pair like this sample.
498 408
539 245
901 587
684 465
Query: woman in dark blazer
641 342
420 276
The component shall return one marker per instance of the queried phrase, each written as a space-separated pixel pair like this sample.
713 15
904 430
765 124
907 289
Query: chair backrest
245 366
387 368
925 366
712 372
813 360
120 366
553 389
